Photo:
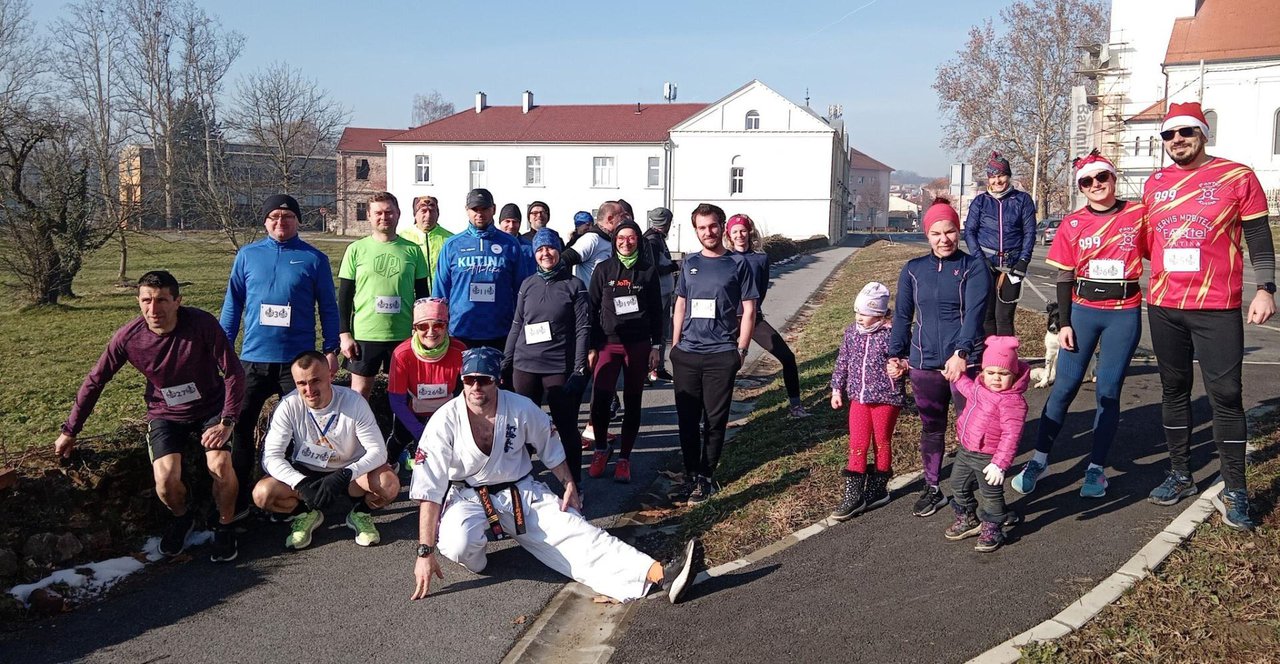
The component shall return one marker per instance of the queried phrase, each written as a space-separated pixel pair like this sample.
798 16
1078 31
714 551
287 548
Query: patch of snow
89 579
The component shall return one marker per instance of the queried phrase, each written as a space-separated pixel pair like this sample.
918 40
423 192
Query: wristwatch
1269 286
962 354
228 421
425 550
742 351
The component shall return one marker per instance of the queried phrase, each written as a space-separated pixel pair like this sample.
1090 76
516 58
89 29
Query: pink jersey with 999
1194 220
1105 248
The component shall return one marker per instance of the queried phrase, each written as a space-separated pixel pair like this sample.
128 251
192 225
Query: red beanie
941 210
1001 352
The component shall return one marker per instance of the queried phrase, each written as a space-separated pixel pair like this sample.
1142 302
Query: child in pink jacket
989 429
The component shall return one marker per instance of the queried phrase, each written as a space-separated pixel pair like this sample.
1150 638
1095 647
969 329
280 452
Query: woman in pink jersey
1098 253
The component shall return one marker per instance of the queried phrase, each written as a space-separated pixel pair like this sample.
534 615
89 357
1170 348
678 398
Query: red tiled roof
598 123
860 160
364 139
1152 113
1226 30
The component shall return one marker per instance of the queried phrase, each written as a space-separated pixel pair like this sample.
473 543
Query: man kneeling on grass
473 452
324 443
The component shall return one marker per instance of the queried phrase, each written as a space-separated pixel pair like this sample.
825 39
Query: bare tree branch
430 107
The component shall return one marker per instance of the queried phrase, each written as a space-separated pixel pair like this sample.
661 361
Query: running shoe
663 374
991 537
1234 507
1095 484
797 412
599 461
362 524
615 409
224 548
301 528
1175 487
966 525
651 378
930 500
679 574
278 517
622 471
703 489
174 540
1025 481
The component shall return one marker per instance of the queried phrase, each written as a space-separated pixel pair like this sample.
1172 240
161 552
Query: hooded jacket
860 373
611 282
991 422
479 273
661 254
1006 225
940 308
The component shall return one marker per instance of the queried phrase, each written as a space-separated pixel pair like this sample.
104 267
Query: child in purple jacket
874 401
989 429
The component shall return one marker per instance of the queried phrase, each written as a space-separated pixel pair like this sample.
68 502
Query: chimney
526 101
481 101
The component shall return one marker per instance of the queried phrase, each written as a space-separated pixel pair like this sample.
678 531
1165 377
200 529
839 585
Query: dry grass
1216 599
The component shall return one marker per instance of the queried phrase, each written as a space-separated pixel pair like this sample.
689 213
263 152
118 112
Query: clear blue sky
373 56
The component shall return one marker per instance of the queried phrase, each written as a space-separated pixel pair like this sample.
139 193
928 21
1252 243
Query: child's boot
991 538
853 501
966 524
877 492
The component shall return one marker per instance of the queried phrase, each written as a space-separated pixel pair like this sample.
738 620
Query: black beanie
280 202
545 207
510 211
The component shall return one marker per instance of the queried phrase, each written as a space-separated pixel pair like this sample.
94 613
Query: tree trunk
124 257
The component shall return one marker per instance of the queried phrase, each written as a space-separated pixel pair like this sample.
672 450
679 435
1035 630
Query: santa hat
1001 352
1092 163
941 210
1185 115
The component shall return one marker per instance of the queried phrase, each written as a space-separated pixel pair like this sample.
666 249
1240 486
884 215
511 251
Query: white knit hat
873 300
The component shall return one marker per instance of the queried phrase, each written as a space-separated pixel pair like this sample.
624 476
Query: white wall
566 178
1140 32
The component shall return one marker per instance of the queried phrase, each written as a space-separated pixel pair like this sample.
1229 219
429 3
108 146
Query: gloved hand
576 384
319 493
1019 269
995 476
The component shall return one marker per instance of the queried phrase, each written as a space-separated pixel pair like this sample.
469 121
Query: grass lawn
780 475
50 349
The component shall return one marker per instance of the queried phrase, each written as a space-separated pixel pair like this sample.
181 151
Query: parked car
1046 230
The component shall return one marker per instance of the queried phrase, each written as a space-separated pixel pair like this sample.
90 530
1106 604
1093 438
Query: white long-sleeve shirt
351 438
447 450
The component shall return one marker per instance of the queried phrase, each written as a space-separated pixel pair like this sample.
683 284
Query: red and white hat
1187 114
1093 163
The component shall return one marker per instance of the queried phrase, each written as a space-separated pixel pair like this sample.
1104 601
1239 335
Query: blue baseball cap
482 361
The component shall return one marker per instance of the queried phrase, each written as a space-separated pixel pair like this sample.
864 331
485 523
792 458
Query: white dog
1045 375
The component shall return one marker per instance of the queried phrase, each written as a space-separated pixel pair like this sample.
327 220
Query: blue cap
482 361
582 218
545 237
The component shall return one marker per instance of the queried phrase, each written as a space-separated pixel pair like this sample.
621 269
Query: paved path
338 602
887 587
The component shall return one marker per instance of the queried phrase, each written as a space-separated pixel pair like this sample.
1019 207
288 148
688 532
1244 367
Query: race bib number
1182 260
484 292
1107 269
315 454
275 315
537 333
180 394
438 391
626 304
700 308
387 304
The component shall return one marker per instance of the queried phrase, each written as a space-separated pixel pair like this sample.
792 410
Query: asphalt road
336 601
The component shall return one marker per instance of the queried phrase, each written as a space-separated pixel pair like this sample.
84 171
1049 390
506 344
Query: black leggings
1216 338
1002 305
771 342
261 381
564 412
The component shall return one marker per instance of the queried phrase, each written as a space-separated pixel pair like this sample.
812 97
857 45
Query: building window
862 179
1152 144
533 171
655 171
477 173
735 180
362 212
1275 134
362 169
1211 119
603 172
422 169
753 120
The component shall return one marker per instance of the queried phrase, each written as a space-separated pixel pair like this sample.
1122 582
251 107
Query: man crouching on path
473 453
337 451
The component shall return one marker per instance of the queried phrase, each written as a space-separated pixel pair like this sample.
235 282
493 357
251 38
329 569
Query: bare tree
430 107
1011 85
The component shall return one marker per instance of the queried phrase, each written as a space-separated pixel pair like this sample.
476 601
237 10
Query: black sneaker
679 574
930 500
223 548
702 491
174 539
663 374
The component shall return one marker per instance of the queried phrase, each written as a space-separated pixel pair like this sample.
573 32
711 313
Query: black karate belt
494 532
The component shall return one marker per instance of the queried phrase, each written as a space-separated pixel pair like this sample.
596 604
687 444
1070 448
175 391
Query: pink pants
866 420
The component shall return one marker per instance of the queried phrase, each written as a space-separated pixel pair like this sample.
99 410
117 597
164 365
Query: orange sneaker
598 463
622 471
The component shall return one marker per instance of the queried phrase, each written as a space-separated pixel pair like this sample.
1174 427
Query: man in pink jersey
1198 210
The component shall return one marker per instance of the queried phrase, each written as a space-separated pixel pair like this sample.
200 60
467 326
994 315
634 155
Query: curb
1111 588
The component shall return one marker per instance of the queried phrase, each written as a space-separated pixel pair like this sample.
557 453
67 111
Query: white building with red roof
868 191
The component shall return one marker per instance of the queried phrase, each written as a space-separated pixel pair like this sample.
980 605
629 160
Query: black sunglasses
474 379
1185 132
1087 181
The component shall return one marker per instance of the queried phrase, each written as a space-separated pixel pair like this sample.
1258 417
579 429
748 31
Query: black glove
307 489
1019 269
319 493
576 384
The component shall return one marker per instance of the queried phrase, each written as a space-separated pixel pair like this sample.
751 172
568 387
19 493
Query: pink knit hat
941 210
430 308
1001 352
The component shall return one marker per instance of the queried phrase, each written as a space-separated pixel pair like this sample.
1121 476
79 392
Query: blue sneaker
1095 484
1025 481
1175 487
1234 506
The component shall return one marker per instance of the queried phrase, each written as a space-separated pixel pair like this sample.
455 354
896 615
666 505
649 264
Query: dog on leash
1045 375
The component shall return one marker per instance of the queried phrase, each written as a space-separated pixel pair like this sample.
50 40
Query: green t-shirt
384 273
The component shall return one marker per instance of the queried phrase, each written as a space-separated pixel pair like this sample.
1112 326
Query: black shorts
165 437
375 356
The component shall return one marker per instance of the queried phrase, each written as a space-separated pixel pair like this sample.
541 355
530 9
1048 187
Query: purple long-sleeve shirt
192 372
